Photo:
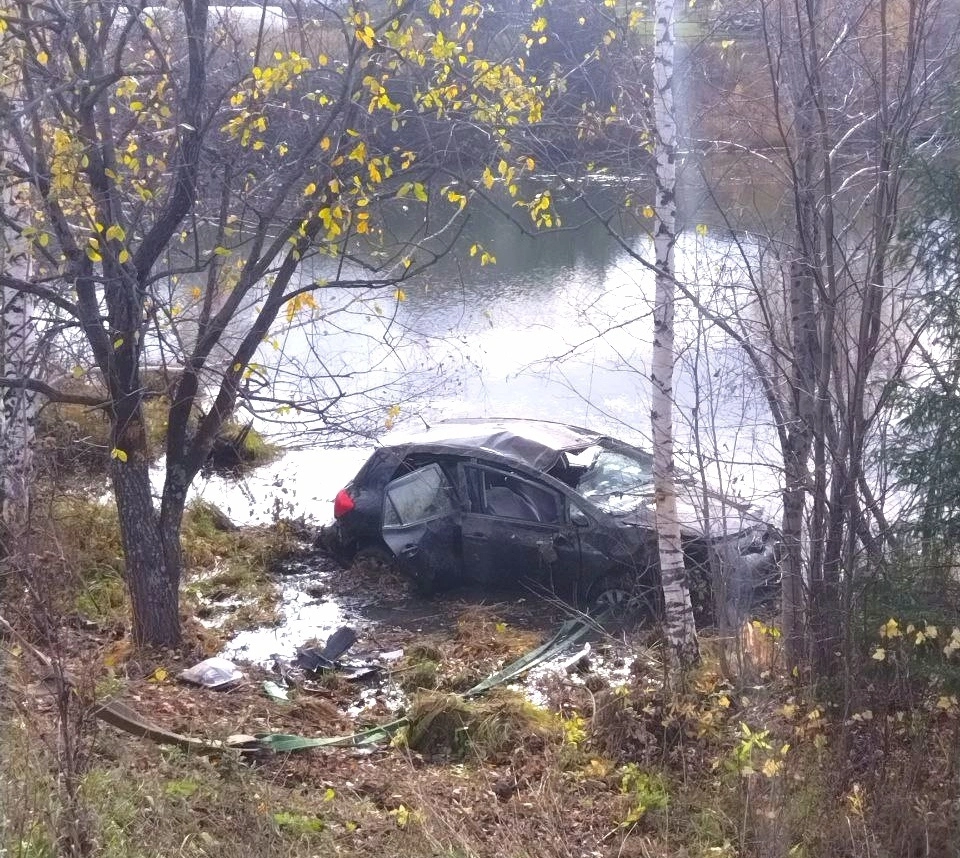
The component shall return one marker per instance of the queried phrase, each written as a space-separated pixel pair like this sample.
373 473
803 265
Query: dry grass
721 765
635 771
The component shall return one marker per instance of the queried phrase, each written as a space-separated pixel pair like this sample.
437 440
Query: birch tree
678 612
19 357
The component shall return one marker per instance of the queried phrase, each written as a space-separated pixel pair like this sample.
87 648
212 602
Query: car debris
276 691
319 659
217 674
498 502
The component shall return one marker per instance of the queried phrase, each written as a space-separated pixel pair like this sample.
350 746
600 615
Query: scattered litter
393 655
579 662
276 692
215 673
317 659
361 673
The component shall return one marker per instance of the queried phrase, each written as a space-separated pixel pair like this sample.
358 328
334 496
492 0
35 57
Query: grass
227 581
75 439
713 769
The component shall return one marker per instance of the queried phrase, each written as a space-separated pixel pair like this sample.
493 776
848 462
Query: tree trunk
153 576
19 358
678 612
151 541
20 407
792 589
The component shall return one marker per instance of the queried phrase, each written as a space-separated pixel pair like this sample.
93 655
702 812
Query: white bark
678 614
18 360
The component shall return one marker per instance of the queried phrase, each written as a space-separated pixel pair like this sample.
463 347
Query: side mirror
578 517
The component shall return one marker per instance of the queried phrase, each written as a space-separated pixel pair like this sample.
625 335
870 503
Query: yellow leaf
77 372
771 768
310 189
43 57
159 675
221 251
890 629
701 229
359 153
879 654
400 295
196 292
115 231
118 342
402 816
647 211
119 455
726 43
325 144
365 35
93 255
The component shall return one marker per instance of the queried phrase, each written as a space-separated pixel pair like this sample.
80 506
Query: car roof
534 443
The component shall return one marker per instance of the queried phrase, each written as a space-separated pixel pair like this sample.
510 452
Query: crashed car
499 502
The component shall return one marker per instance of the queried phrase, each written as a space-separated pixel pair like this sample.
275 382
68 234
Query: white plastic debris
215 673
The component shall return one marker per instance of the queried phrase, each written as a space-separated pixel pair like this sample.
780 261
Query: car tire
621 598
375 556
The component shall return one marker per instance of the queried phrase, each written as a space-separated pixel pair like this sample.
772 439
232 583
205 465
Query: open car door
421 526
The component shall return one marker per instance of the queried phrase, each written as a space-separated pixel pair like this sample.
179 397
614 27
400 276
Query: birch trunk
19 358
678 613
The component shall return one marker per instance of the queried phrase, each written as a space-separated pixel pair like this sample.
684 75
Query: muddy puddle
391 619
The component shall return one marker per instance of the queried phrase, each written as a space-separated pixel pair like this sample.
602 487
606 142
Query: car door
421 526
515 528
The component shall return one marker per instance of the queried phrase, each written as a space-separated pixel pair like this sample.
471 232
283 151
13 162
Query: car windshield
616 481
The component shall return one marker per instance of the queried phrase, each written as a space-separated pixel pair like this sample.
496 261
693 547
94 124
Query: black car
502 501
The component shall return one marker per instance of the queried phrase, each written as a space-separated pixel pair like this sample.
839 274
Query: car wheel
622 598
376 558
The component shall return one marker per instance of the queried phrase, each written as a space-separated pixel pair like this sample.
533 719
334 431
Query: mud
478 628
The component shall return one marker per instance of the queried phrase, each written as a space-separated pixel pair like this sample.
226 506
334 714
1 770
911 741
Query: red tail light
342 504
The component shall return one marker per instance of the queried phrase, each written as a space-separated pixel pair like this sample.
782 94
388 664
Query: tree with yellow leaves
185 166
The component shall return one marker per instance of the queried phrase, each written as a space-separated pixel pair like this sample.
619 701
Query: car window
505 495
615 481
419 496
